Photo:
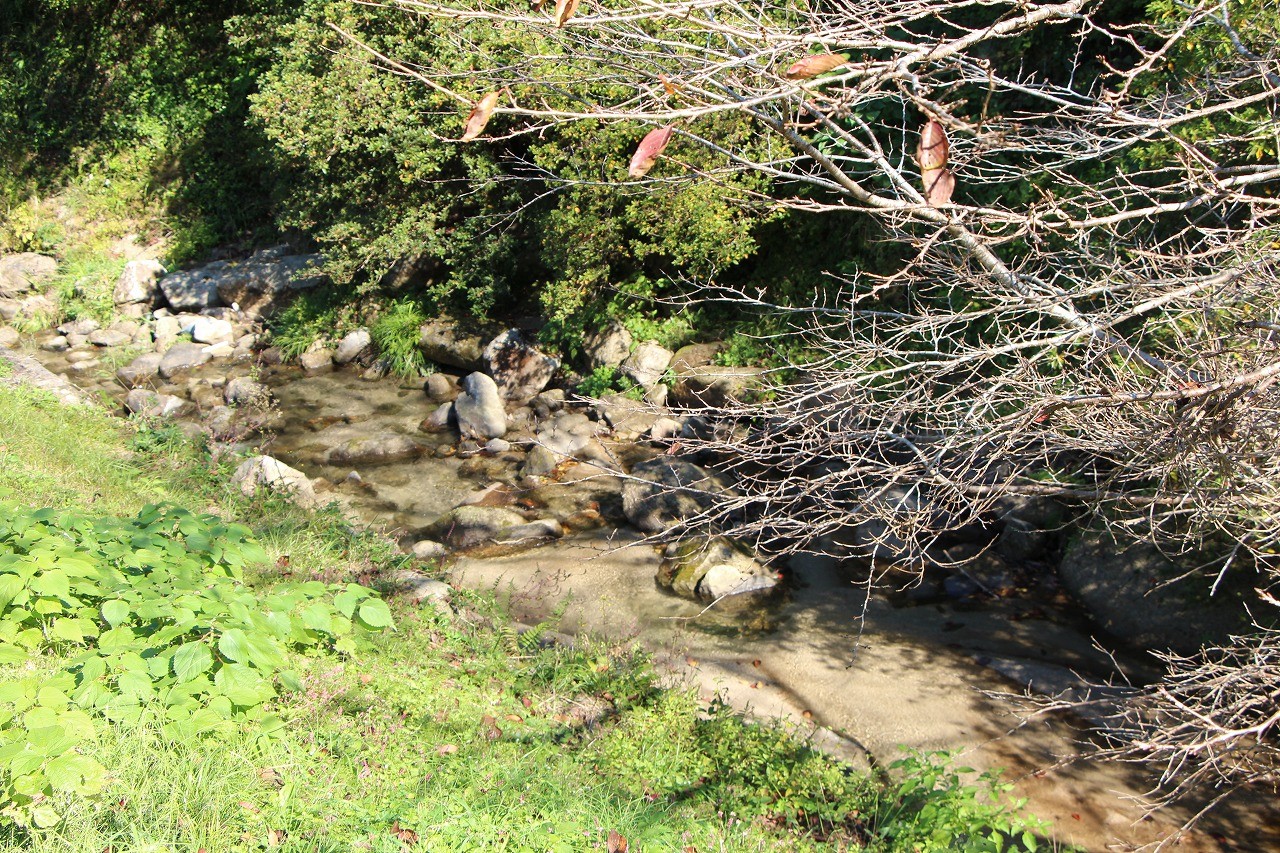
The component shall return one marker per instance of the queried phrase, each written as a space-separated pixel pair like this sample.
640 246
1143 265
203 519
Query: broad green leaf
375 613
318 617
53 583
190 660
11 654
45 816
234 645
115 612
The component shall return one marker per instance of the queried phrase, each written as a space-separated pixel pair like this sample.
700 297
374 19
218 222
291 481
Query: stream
919 671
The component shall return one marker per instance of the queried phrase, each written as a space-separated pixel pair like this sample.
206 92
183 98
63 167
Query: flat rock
469 526
149 404
375 450
211 330
110 338
664 491
712 385
316 360
9 338
444 342
180 358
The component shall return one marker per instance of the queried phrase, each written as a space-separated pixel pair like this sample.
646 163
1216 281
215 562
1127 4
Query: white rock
268 472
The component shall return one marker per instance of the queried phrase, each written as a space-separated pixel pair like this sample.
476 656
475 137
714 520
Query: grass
451 734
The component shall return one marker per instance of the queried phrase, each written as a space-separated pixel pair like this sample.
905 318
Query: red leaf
564 11
812 66
648 151
480 116
934 150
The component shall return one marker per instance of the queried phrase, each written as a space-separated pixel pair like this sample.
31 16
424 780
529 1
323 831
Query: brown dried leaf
935 149
939 184
617 842
406 836
480 116
648 151
812 66
564 11
446 749
671 88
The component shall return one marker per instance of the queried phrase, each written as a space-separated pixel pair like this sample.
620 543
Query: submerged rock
713 568
374 450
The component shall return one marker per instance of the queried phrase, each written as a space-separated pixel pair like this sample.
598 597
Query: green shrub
396 334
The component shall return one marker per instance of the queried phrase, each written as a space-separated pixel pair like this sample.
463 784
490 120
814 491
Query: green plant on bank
607 379
396 334
314 315
149 611
24 228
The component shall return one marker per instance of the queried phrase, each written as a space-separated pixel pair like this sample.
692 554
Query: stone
713 568
75 341
543 528
713 385
443 342
82 366
110 338
352 346
440 420
665 429
24 271
270 473
267 281
647 364
243 391
658 395
695 355
9 338
316 359
440 388
539 462
211 330
469 526
80 356
376 371
429 549
166 330
628 418
222 349
192 290
180 358
497 445
141 370
375 449
58 343
520 369
418 588
608 347
82 326
139 284
25 370
149 404
38 306
1125 587
479 409
664 491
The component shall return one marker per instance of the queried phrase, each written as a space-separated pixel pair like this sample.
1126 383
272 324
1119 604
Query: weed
396 334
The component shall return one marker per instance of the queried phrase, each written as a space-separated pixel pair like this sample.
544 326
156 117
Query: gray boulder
83 326
664 491
1125 586
429 549
647 364
418 588
24 271
211 330
316 359
374 450
479 408
470 526
439 420
110 338
258 285
267 472
520 369
712 385
35 306
443 342
352 346
608 347
149 404
141 370
243 391
713 568
440 388
180 358
139 284
9 338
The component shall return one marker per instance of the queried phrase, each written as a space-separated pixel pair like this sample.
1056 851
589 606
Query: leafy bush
150 611
606 379
396 334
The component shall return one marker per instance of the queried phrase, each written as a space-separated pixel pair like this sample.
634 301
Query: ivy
150 612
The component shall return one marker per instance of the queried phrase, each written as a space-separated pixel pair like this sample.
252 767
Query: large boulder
662 492
375 449
180 358
270 473
259 285
211 330
352 346
244 391
713 385
608 347
30 307
24 271
149 404
139 284
1130 589
469 526
713 568
520 369
479 409
444 342
647 364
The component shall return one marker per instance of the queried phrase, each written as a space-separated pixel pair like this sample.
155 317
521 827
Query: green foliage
396 334
314 315
607 379
933 808
148 611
